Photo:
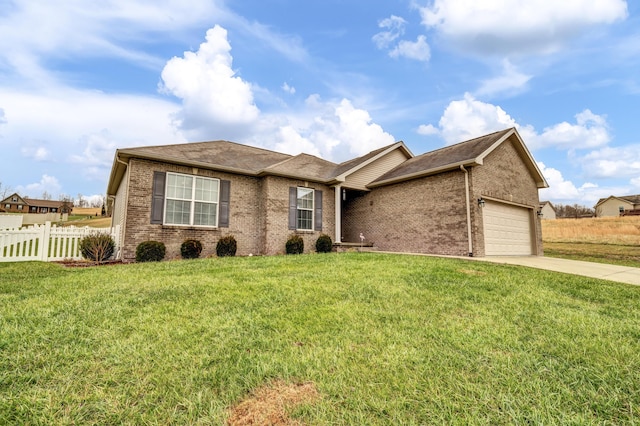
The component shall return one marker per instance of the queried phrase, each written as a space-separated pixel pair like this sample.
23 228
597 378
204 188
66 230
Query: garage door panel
507 230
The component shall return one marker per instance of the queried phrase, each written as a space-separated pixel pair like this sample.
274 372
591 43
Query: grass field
351 338
614 240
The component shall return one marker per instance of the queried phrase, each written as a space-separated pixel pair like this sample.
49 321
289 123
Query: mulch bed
70 263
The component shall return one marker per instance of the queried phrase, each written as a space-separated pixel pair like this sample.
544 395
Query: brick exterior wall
258 213
275 214
243 213
428 215
503 176
425 215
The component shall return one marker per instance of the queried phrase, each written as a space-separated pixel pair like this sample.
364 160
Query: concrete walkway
622 274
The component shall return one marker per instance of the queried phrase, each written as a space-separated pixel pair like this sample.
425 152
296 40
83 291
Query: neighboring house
17 204
547 211
616 206
475 198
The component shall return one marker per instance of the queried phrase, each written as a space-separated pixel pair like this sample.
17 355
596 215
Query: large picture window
304 219
191 200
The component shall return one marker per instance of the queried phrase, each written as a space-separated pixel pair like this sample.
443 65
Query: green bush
226 246
191 249
324 244
295 244
150 251
97 247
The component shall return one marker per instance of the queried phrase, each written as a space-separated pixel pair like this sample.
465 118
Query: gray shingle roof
441 159
244 159
303 166
228 155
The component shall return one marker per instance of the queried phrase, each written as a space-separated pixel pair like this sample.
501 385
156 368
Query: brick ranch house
476 198
14 203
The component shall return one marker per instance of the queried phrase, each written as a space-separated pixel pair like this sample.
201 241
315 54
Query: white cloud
565 192
48 125
58 27
590 131
3 118
511 81
559 188
47 183
418 50
289 89
468 118
514 27
213 96
37 153
427 129
394 28
97 155
215 101
613 162
334 130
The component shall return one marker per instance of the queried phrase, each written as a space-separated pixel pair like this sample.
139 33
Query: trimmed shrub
295 244
191 249
324 244
97 247
150 251
226 246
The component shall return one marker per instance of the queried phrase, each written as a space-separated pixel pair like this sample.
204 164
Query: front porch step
351 247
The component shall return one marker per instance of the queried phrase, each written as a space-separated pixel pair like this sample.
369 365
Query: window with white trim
191 200
304 215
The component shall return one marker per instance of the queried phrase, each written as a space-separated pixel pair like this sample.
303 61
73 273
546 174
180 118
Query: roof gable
10 198
632 199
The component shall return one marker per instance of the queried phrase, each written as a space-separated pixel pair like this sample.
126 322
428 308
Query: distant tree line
573 211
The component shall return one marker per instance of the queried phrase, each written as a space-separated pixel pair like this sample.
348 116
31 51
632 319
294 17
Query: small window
54 210
7 206
34 209
19 206
304 219
14 199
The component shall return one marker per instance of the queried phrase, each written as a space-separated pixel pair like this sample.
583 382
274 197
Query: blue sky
331 78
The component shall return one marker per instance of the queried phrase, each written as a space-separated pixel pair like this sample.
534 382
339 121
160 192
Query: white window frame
192 201
301 192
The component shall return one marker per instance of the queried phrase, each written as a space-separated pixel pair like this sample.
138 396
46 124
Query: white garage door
507 230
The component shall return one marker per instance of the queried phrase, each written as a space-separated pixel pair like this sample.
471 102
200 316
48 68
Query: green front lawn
385 339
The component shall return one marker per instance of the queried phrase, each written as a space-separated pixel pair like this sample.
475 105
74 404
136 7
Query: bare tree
45 196
5 191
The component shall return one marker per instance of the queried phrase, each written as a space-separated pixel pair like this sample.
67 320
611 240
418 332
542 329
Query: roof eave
263 173
424 173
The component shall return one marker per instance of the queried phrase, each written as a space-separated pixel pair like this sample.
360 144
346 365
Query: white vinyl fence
47 242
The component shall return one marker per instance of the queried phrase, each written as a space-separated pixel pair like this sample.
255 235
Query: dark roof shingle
440 159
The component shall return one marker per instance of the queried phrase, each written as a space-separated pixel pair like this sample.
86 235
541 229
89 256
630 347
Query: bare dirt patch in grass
271 404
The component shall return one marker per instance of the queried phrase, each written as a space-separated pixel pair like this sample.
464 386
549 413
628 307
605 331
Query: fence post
46 234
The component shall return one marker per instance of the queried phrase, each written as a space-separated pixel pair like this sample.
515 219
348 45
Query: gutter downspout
466 193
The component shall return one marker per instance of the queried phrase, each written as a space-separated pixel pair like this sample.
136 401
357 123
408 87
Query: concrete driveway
622 274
